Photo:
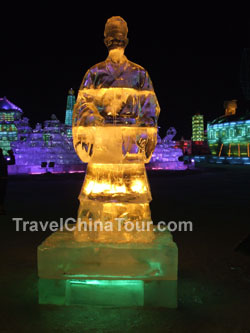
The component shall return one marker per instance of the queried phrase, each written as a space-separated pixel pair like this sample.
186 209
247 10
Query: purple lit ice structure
50 148
166 156
44 149
6 105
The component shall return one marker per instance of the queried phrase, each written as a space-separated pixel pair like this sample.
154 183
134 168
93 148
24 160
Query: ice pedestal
108 274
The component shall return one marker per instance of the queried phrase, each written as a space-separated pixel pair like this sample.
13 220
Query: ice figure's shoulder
97 67
145 81
91 74
103 65
135 66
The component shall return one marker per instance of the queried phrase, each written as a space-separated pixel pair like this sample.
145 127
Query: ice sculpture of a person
115 131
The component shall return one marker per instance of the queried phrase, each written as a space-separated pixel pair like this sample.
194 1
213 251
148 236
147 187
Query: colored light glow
108 282
96 187
36 173
138 186
220 149
231 160
229 152
105 292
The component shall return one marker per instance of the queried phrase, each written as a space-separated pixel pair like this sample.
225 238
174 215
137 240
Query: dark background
42 60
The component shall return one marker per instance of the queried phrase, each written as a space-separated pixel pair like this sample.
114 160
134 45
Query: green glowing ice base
107 274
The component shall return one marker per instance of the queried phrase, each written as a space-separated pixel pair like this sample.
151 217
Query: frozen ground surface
214 279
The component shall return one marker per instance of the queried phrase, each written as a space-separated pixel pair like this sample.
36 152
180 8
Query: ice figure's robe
115 130
133 103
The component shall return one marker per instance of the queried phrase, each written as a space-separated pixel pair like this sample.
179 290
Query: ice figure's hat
116 29
116 25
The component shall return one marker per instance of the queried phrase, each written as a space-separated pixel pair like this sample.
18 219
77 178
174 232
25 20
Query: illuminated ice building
48 147
229 136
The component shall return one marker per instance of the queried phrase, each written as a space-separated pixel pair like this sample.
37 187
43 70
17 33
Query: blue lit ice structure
229 136
233 160
166 156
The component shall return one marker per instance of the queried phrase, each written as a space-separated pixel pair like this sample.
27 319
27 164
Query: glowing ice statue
115 131
166 155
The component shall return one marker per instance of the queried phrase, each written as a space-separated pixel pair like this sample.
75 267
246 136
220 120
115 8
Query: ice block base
73 273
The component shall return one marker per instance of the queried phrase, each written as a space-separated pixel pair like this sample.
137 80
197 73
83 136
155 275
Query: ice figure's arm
149 112
85 118
148 117
150 108
85 110
145 81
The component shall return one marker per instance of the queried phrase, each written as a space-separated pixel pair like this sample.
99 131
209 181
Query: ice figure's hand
88 115
150 147
83 143
146 142
141 143
92 119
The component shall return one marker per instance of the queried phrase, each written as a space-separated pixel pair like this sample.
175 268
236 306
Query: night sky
37 72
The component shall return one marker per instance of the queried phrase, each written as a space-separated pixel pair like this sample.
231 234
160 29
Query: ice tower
115 132
9 115
198 128
69 108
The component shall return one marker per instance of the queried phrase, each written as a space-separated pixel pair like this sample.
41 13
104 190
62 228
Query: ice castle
45 148
49 146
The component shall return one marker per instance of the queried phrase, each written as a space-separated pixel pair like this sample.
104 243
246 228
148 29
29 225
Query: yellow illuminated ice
115 131
96 187
138 186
